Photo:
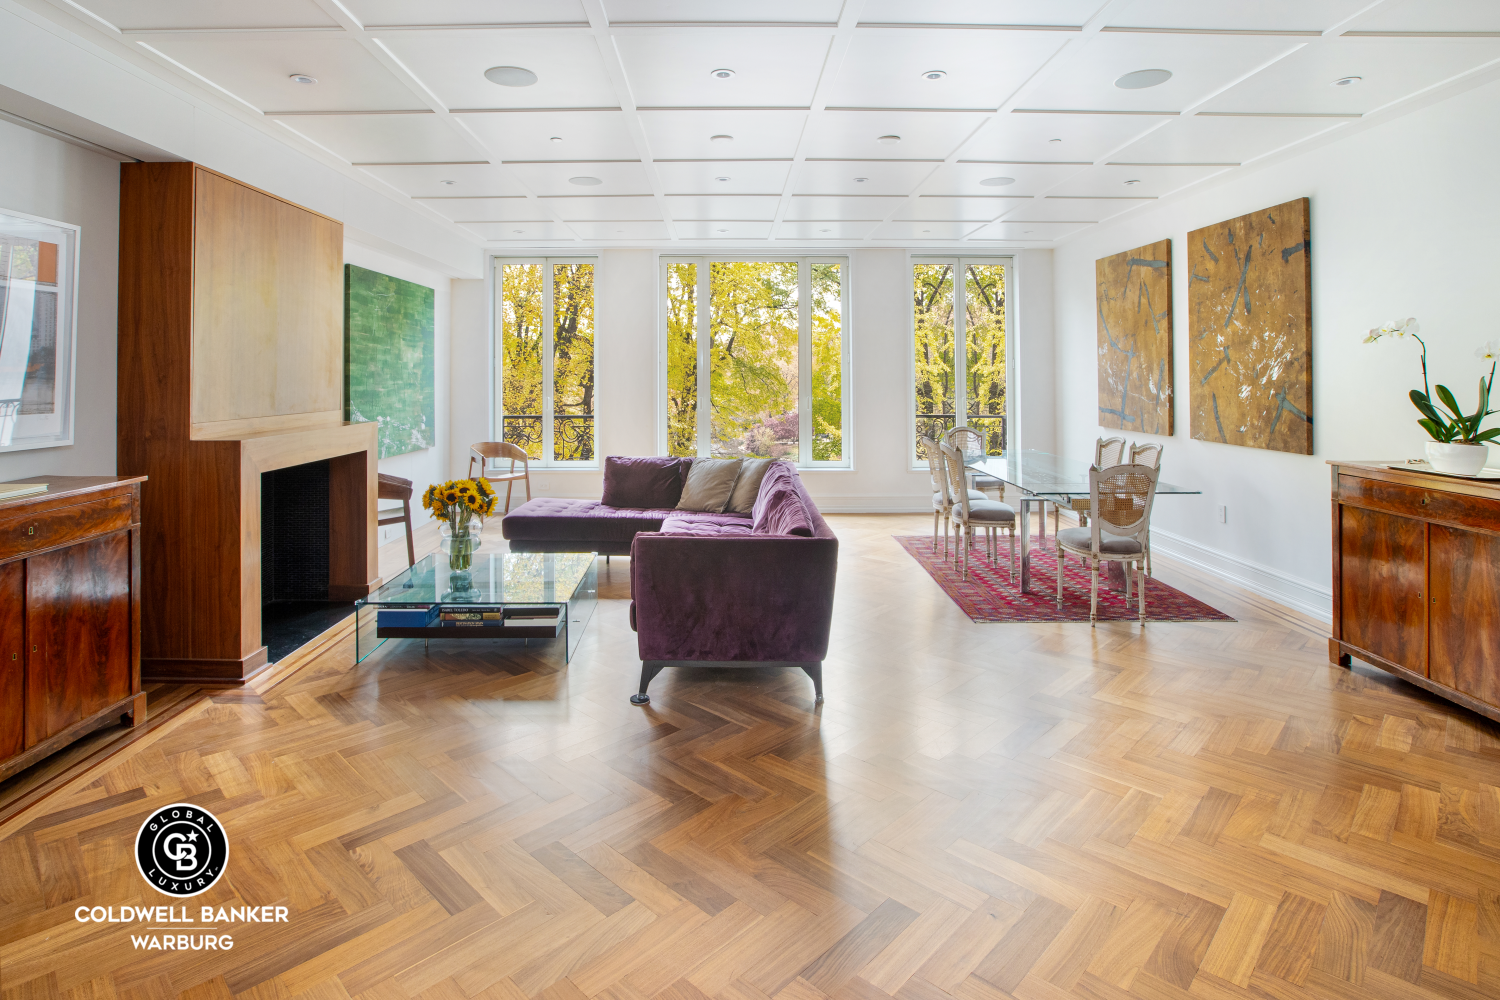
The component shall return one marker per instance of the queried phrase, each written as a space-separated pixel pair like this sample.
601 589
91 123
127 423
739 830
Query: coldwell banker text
161 918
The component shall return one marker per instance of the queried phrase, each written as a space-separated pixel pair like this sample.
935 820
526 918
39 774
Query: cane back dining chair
1107 452
968 513
971 443
486 452
942 495
1120 499
1150 455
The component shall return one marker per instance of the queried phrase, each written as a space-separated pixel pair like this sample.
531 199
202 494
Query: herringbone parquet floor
1043 812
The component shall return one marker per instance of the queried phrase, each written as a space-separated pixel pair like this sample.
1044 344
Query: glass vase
460 541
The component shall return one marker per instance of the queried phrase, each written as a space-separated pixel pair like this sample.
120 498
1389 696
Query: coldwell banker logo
181 849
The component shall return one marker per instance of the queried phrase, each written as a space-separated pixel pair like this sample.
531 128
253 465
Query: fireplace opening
294 527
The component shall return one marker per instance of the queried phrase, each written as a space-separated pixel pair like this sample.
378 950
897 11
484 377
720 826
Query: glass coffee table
504 595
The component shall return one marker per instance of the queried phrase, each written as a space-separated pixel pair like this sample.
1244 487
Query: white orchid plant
1460 428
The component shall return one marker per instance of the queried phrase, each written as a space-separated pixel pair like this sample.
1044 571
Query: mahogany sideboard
1416 578
70 614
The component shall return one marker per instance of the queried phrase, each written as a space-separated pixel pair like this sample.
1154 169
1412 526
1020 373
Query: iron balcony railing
572 435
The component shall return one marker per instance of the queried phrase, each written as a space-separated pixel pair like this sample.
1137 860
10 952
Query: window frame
960 349
497 352
804 264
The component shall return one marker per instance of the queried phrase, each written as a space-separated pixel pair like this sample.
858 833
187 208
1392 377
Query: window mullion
804 363
705 355
960 349
547 320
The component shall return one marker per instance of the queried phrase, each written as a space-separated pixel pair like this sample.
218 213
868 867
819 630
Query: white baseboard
1299 595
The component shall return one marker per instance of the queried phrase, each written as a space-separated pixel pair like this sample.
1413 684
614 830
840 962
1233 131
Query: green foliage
388 359
522 343
682 360
573 362
933 303
522 316
827 363
1460 427
753 358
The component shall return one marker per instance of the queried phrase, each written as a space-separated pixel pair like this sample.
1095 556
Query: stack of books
477 616
419 617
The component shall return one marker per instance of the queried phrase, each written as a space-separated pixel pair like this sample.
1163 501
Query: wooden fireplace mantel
230 365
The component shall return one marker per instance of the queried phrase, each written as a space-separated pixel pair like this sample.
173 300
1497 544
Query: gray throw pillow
710 481
747 487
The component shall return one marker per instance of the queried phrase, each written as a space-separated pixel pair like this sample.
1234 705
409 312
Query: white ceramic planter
1457 459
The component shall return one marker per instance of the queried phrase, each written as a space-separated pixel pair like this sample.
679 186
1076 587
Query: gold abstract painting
1133 295
1250 330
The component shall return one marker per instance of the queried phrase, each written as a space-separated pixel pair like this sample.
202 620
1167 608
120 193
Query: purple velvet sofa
708 590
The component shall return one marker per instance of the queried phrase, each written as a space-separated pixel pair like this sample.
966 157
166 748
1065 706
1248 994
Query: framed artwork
1250 330
1133 299
388 359
38 331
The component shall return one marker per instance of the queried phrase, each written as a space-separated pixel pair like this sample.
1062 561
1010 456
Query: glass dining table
1040 478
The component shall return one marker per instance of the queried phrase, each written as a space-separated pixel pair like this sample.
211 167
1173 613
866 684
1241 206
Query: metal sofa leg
815 671
649 669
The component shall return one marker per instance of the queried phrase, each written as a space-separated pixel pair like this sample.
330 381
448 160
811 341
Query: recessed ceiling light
860 180
1026 231
302 78
449 183
721 230
510 76
927 230
934 74
619 230
1143 78
1347 81
722 74
825 230
995 182
555 138
721 138
888 140
1133 180
721 179
1054 140
518 230
585 181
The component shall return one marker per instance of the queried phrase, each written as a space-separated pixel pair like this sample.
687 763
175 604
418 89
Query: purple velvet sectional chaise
708 590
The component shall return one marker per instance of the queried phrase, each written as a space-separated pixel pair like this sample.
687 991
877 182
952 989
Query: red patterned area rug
989 595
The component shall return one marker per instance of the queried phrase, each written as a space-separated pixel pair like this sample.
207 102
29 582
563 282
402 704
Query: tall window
546 358
959 339
767 379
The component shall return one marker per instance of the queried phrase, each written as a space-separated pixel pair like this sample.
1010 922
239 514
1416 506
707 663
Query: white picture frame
38 331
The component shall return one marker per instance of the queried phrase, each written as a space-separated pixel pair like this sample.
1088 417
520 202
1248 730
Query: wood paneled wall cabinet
1416 579
230 364
70 615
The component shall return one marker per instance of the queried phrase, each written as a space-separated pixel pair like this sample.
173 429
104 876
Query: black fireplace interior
294 559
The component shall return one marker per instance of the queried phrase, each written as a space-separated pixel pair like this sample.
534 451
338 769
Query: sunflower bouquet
459 502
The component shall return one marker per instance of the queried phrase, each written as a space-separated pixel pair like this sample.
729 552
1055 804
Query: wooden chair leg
508 487
936 515
411 549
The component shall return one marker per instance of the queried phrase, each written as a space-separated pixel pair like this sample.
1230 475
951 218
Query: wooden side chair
486 452
395 488
1148 455
1107 452
942 497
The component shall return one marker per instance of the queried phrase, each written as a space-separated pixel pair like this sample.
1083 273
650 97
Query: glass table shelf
504 595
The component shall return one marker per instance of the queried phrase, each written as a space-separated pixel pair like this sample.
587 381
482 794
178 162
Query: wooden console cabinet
70 615
1416 579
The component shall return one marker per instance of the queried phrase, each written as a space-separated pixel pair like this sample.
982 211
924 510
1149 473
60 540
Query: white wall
627 287
1403 217
43 176
430 465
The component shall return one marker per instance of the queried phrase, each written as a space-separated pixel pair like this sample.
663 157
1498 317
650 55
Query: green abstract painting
388 359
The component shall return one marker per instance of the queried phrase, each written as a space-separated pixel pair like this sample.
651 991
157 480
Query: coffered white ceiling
842 122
